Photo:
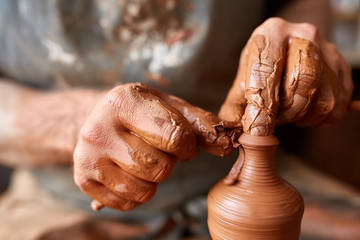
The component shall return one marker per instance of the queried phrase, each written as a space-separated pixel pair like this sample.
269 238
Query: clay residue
155 121
310 92
192 126
303 72
234 173
262 83
214 136
149 130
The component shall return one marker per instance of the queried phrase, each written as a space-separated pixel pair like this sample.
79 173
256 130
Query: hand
131 140
288 73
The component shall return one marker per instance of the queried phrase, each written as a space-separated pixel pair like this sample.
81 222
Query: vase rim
258 141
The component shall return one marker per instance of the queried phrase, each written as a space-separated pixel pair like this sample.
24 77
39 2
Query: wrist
42 127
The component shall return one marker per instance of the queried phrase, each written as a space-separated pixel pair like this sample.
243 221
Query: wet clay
262 83
253 201
214 136
260 204
148 132
302 76
310 93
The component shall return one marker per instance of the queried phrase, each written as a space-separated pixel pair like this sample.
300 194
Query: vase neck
259 164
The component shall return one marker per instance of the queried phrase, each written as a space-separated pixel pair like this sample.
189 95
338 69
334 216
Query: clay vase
260 205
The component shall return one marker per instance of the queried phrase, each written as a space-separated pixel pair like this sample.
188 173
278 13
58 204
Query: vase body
260 205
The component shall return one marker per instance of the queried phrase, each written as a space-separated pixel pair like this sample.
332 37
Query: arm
132 138
40 128
127 139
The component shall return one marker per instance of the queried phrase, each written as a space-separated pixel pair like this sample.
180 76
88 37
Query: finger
306 31
345 87
302 76
235 102
342 93
106 197
155 121
323 103
341 85
124 184
335 92
262 83
213 135
140 159
130 152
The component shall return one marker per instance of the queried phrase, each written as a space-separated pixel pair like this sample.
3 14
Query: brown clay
302 77
262 83
149 131
313 92
260 205
162 126
253 201
214 136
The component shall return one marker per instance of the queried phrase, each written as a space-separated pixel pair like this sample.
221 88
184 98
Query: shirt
187 48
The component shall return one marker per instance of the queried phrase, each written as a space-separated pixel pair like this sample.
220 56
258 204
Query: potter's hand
131 141
288 70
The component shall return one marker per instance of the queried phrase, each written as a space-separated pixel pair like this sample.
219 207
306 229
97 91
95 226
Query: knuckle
274 21
126 206
78 179
311 31
164 171
153 166
79 164
329 107
91 132
97 133
119 204
138 191
85 185
330 47
176 145
114 98
118 98
147 194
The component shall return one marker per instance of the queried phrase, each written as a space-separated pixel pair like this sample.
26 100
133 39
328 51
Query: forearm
41 128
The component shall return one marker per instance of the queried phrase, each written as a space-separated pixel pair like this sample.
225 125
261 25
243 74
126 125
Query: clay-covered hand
131 140
288 73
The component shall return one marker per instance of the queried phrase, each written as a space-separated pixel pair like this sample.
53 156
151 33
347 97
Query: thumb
214 136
